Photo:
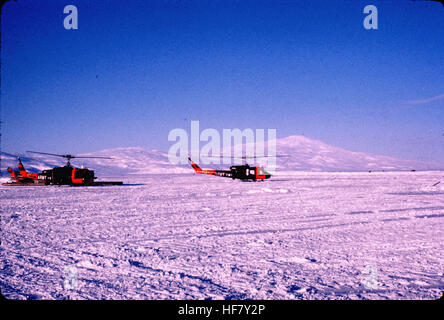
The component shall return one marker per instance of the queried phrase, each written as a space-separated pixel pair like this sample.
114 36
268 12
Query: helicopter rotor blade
68 156
256 157
94 157
50 154
247 157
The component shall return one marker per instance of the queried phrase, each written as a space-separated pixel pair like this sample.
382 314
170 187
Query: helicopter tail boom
197 169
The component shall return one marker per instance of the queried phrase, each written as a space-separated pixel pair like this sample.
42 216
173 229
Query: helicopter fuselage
66 175
242 172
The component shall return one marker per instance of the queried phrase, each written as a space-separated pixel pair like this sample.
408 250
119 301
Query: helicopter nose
267 176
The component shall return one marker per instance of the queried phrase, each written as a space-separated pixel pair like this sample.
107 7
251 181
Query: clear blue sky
134 70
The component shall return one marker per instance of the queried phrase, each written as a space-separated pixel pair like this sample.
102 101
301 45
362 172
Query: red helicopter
243 172
22 176
66 175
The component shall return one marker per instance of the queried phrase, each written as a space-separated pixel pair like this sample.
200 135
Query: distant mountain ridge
314 155
304 154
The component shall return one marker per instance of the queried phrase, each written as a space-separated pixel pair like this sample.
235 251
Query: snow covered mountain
304 154
313 155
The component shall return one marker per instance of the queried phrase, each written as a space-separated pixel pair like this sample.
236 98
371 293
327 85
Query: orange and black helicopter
22 176
66 175
243 172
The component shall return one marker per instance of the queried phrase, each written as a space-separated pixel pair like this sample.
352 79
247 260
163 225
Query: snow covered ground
304 236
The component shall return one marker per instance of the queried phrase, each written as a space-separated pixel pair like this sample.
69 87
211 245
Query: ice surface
304 236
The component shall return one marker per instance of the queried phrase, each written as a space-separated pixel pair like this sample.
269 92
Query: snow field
304 236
